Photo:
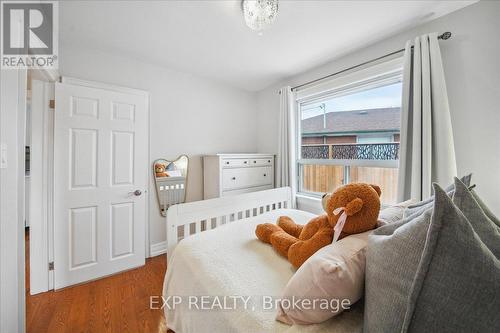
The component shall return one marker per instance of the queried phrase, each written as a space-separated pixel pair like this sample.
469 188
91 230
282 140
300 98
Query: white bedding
230 261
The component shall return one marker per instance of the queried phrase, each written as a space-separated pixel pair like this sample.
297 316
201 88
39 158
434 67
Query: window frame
378 75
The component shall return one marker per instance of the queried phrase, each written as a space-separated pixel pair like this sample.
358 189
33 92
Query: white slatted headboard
186 219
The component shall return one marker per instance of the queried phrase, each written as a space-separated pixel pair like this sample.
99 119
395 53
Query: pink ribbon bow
340 223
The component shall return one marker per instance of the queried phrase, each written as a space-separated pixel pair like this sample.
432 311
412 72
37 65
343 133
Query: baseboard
158 248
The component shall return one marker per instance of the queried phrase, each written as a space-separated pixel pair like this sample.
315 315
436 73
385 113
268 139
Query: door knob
136 193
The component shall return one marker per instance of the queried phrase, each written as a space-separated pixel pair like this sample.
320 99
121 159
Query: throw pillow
485 208
421 206
457 284
486 229
392 259
393 213
334 275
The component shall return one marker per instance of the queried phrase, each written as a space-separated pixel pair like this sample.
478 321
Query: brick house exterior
352 126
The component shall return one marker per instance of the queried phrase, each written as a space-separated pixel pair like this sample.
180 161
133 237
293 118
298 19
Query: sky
382 97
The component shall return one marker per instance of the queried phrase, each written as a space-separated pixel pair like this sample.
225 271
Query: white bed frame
189 218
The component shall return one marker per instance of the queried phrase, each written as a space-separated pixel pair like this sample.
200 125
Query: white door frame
12 122
41 176
41 180
42 223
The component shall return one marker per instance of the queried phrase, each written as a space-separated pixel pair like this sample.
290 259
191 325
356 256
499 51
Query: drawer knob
227 162
255 161
265 175
268 161
245 162
234 178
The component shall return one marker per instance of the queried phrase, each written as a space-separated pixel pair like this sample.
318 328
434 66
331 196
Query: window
351 135
362 138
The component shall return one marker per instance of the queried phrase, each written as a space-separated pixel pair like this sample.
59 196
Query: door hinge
52 104
51 266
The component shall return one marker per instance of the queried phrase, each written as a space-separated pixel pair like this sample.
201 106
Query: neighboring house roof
371 120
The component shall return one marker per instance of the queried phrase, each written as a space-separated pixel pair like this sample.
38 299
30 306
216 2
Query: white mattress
230 261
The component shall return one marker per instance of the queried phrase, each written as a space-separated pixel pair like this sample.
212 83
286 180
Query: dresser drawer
235 163
260 161
246 190
246 177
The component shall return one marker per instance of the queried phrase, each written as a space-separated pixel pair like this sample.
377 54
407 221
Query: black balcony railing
363 151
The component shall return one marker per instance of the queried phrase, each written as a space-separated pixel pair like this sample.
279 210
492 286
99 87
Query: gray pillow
485 209
421 206
393 213
392 258
457 285
486 229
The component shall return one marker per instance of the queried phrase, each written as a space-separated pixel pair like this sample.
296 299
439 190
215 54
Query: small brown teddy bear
350 209
160 170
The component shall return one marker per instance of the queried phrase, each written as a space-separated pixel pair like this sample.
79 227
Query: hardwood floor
119 303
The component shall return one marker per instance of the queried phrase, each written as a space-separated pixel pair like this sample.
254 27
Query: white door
100 176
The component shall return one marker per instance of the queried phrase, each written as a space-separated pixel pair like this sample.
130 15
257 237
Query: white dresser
228 174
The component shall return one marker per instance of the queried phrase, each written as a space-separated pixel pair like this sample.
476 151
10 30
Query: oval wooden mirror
170 181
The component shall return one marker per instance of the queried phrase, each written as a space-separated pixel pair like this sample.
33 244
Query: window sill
312 203
303 195
309 203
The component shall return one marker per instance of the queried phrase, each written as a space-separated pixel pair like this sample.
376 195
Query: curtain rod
444 36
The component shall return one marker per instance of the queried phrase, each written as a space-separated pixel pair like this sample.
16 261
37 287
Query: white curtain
427 152
286 163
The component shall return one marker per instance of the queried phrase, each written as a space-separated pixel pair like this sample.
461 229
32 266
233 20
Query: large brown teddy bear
351 209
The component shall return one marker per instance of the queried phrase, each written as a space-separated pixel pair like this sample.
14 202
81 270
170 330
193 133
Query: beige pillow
327 283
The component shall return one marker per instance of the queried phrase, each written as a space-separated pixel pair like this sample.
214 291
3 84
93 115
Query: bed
214 257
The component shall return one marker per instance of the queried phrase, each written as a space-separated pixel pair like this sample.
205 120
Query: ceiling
210 39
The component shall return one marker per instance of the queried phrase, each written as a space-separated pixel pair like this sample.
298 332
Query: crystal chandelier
259 14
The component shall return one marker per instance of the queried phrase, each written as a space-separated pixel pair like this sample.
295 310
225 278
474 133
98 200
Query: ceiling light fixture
259 14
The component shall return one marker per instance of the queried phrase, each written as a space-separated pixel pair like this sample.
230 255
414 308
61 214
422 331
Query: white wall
189 114
12 300
472 69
